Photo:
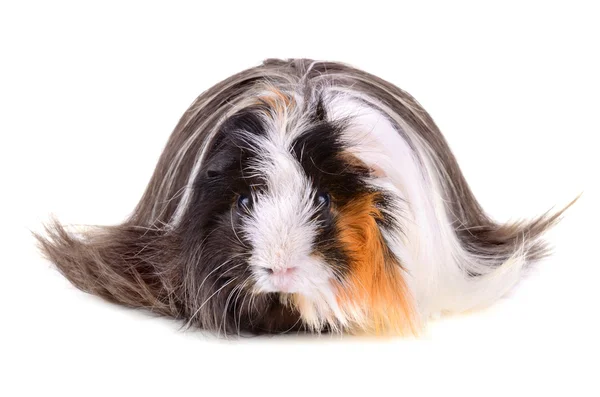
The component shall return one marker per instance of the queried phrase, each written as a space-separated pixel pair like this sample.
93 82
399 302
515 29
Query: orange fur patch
276 101
374 285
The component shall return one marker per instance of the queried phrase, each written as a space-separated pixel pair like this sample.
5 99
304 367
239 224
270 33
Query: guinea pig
302 195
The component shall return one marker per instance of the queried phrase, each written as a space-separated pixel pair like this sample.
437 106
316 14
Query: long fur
404 240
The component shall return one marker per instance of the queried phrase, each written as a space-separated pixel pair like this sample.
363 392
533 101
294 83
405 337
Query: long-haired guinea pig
303 195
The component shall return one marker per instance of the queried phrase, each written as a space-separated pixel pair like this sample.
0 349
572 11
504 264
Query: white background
89 95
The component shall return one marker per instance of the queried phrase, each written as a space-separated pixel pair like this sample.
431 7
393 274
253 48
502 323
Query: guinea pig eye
323 199
244 202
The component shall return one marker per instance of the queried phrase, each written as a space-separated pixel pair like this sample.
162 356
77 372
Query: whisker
209 298
234 231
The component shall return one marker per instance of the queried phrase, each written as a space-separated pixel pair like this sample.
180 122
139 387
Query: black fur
212 224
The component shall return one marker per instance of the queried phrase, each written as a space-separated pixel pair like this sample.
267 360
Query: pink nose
286 271
283 278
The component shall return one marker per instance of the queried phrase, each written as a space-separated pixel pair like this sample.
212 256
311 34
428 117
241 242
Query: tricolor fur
303 195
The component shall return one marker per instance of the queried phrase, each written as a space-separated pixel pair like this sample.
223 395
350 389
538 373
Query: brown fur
123 264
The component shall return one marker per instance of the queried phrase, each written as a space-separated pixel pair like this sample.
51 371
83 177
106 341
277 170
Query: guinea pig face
282 210
274 208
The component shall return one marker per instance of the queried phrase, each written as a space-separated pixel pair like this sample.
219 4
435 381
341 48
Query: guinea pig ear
218 166
221 161
373 170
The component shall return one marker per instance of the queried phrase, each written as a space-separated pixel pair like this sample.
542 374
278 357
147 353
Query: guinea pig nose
281 271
